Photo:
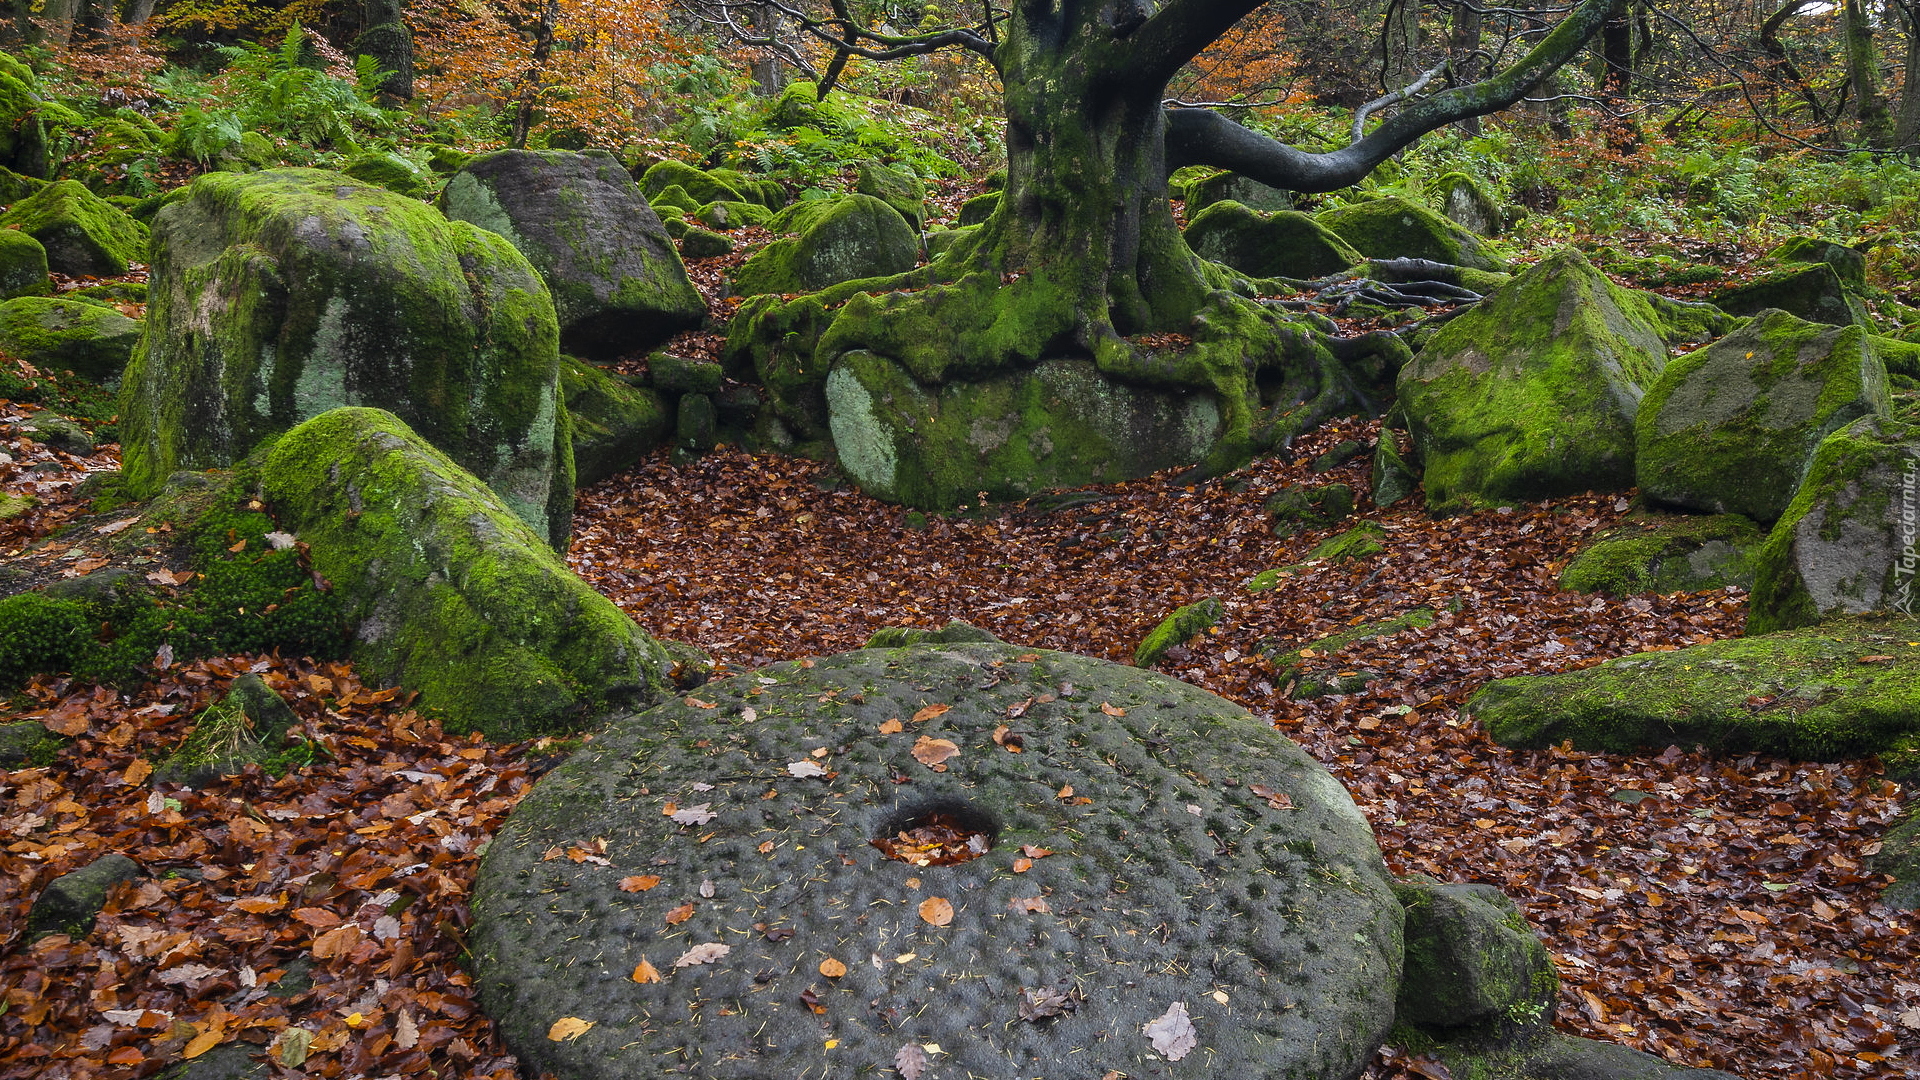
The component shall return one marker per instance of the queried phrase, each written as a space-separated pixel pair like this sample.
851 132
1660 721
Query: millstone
1148 844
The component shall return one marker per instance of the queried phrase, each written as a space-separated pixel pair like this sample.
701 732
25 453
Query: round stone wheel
700 884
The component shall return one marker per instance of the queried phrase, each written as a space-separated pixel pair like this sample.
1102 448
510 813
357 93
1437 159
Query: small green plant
39 633
1526 1012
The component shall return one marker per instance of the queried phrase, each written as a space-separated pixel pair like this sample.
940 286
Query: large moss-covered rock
702 187
1729 429
1848 265
1534 392
1847 688
23 266
1394 228
278 295
1666 553
83 234
843 240
902 191
1462 200
1847 542
1282 244
1058 424
614 423
68 335
23 129
618 285
783 782
1813 291
448 592
1471 963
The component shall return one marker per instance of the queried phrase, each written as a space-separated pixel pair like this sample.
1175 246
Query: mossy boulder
1285 244
1057 424
1463 201
732 215
1849 265
1315 670
1729 429
1472 963
1813 291
278 295
701 187
90 340
23 266
83 234
1303 931
447 591
1394 478
702 244
900 190
843 240
23 128
618 285
384 168
1395 228
71 902
954 633
1208 190
1847 688
1297 507
614 423
1186 622
1534 392
14 187
1363 541
675 201
1667 553
41 633
249 725
1847 542
756 189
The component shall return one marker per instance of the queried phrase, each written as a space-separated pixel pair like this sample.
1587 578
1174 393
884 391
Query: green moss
384 168
698 188
848 239
1665 554
1393 228
59 334
1284 244
83 234
1295 507
1291 662
979 208
449 593
1186 622
614 424
1802 693
23 266
902 191
732 215
1812 292
1730 428
1363 541
39 633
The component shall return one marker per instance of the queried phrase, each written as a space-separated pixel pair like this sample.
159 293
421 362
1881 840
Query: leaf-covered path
1714 910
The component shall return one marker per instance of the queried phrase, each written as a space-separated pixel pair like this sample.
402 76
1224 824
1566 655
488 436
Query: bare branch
1360 115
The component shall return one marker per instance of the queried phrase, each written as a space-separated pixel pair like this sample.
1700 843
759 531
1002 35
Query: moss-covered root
448 592
1184 623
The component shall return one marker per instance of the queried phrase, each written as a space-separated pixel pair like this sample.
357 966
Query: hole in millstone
937 833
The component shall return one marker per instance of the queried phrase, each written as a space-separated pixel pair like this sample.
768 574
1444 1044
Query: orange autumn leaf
680 914
936 910
931 711
568 1027
892 727
645 972
934 752
1112 710
832 968
338 941
639 882
203 1042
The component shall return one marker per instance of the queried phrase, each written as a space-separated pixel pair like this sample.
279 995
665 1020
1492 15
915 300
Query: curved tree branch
1201 137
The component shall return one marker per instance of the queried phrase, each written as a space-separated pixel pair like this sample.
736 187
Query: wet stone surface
1150 844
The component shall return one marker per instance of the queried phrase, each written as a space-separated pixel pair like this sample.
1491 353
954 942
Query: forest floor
1715 910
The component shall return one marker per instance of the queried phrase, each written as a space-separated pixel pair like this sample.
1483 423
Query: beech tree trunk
1863 73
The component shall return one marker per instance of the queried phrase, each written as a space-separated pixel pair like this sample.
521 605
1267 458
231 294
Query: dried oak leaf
936 910
934 752
694 815
910 1061
680 914
702 954
568 1027
1171 1033
1039 1002
931 711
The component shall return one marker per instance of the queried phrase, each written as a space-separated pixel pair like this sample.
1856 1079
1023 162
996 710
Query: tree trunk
387 39
1400 44
1906 131
1863 73
1463 45
529 91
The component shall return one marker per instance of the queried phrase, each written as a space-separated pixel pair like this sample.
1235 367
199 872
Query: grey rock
1814 292
1471 961
1302 924
71 901
618 285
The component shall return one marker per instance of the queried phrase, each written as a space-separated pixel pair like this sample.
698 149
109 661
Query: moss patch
1185 622
1847 688
1394 228
82 233
1667 553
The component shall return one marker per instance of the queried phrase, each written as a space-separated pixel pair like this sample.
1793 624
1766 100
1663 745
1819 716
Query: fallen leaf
680 914
137 772
936 910
892 727
291 1047
406 1033
1065 792
1112 710
694 815
644 972
1172 1032
805 769
702 954
639 882
338 941
1039 1002
568 1027
1034 904
203 1042
832 968
931 711
699 704
910 1061
933 752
